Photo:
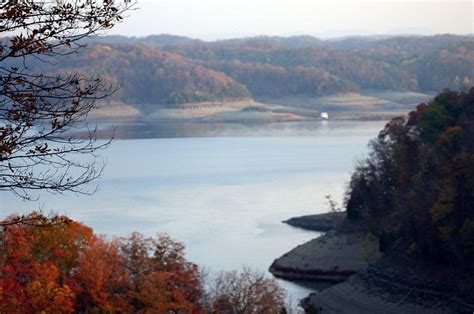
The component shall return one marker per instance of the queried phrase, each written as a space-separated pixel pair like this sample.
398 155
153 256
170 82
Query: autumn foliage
67 268
60 266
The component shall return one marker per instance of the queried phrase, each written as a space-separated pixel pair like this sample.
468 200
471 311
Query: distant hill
160 40
150 75
294 42
168 70
269 66
398 45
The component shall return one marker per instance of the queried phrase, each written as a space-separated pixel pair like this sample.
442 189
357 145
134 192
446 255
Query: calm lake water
223 190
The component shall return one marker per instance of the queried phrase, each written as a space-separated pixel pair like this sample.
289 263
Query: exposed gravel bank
331 257
385 290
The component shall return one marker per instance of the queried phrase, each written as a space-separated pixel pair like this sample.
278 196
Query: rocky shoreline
390 290
335 256
331 257
362 280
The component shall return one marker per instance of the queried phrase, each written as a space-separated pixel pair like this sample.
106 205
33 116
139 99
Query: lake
223 190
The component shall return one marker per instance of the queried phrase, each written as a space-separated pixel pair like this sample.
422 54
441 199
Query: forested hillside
169 70
150 75
416 188
326 67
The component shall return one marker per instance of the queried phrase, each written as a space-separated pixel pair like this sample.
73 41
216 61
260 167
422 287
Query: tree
161 280
246 292
67 268
41 113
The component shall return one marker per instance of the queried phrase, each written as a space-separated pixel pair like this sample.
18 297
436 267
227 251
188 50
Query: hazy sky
211 19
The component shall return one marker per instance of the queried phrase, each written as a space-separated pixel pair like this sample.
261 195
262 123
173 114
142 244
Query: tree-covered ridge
451 66
406 63
168 70
150 75
398 44
416 188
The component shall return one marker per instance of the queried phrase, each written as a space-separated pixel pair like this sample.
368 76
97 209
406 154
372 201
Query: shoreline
365 105
359 278
334 256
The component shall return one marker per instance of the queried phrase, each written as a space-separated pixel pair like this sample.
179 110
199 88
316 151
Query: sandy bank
352 106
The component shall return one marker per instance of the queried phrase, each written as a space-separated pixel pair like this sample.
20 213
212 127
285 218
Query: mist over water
223 192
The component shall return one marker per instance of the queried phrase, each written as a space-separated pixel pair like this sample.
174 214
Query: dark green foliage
416 188
355 202
432 120
311 309
386 241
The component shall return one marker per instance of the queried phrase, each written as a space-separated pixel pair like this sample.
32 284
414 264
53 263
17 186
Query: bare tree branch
41 113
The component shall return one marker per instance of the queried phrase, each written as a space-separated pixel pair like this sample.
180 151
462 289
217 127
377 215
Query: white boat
324 116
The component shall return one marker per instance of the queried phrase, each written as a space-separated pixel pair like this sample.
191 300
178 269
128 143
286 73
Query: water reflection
176 129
